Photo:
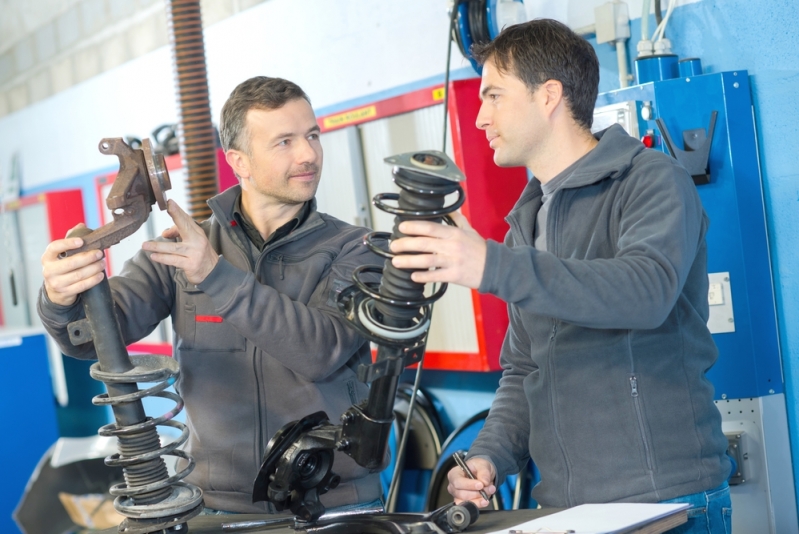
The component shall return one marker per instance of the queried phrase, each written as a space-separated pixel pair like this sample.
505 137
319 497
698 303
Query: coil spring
398 311
150 499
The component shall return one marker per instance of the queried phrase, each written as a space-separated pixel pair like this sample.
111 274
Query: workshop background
75 71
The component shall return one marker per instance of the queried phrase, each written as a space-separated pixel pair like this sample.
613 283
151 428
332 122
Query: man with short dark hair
604 270
252 296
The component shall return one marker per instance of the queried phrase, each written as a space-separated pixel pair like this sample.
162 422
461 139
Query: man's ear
239 162
552 91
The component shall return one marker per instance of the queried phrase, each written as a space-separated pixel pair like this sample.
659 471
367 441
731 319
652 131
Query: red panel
491 193
64 210
225 174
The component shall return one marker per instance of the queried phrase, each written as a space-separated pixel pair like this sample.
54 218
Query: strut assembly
395 315
150 499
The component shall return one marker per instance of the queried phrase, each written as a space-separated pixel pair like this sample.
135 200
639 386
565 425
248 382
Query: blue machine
30 414
713 113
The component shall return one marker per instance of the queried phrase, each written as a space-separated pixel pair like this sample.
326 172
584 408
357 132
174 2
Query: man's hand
462 488
193 253
65 278
457 254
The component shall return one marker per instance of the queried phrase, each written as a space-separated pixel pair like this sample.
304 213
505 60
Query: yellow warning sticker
438 93
349 117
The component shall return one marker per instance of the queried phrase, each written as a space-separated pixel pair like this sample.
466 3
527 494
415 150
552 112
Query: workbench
489 521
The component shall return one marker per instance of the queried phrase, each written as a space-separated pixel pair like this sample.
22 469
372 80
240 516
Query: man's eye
284 142
313 136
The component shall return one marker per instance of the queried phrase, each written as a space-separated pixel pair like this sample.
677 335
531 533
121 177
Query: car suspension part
395 315
150 499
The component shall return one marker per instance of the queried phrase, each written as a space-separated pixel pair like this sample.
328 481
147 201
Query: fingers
460 220
179 248
170 233
65 279
415 244
463 488
183 221
61 245
425 228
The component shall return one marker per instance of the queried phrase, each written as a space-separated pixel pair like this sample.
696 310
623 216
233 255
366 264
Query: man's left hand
193 253
457 255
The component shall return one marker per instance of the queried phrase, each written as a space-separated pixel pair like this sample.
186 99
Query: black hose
658 12
453 33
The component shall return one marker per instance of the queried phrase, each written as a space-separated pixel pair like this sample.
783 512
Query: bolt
771 391
735 74
688 79
736 85
723 395
726 278
730 320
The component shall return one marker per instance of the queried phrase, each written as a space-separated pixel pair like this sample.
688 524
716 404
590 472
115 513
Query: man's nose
483 118
307 152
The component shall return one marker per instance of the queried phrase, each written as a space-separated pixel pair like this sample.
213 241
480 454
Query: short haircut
260 92
545 49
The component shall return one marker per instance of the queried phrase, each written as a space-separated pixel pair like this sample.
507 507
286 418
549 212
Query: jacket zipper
280 264
552 399
640 416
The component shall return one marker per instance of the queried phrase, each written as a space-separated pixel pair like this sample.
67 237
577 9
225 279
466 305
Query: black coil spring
147 482
400 300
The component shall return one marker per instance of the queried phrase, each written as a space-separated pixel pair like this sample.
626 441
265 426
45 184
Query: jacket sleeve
504 439
659 233
314 339
143 294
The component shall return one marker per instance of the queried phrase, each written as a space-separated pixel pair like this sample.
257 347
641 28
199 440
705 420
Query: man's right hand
65 279
463 488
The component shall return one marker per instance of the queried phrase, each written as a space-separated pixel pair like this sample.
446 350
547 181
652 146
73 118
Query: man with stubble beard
251 292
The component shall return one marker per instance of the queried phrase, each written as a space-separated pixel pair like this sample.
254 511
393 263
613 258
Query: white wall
337 50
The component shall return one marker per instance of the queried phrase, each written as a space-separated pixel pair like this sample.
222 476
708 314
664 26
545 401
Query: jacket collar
611 158
223 206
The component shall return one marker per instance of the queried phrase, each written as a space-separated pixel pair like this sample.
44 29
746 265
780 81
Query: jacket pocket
198 325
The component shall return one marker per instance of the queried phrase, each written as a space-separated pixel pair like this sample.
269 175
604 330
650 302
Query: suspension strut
150 499
394 314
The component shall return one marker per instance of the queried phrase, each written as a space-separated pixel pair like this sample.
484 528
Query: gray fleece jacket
259 345
605 357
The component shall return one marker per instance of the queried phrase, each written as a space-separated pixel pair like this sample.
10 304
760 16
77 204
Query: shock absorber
150 499
394 314
397 316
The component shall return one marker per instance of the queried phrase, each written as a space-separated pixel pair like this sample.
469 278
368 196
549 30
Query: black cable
452 32
658 13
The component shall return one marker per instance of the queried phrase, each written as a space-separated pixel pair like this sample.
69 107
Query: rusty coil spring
195 129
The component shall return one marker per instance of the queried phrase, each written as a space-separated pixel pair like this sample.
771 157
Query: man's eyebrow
487 89
313 129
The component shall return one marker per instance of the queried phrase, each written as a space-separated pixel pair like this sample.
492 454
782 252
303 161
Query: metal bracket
391 366
80 332
140 183
431 162
734 440
697 149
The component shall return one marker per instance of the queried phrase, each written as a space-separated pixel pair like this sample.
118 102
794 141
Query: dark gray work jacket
259 345
605 358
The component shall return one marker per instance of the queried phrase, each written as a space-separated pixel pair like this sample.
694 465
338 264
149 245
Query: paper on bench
599 518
